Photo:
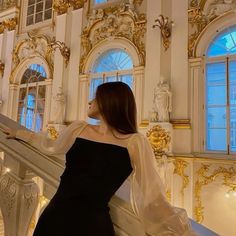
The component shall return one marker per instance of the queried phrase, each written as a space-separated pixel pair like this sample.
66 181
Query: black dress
94 171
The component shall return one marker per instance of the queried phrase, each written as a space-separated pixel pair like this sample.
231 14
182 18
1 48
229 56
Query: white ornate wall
190 183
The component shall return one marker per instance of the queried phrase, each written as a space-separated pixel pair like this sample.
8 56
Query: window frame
35 85
24 28
207 60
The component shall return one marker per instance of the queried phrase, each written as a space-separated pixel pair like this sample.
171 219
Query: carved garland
180 166
114 22
61 6
8 24
203 179
34 46
159 139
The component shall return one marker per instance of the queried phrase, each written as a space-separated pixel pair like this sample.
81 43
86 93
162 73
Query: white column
8 49
83 95
196 83
138 90
12 101
73 67
48 96
59 64
153 53
179 60
18 198
1 49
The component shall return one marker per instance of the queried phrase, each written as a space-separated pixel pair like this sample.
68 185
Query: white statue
59 107
162 101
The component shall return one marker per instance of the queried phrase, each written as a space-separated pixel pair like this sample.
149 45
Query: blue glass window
32 98
100 1
113 65
224 43
221 93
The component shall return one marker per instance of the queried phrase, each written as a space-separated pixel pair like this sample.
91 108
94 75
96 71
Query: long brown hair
117 106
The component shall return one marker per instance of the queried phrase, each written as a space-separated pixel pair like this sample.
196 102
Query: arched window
113 65
220 99
32 98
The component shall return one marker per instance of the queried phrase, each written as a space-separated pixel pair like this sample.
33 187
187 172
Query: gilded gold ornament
53 134
159 139
203 179
180 166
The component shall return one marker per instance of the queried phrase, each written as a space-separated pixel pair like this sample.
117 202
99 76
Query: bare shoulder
91 132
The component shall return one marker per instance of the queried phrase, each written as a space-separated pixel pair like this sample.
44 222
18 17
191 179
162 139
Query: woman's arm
148 194
46 145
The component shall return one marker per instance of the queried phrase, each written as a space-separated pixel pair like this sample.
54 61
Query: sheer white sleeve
53 147
148 196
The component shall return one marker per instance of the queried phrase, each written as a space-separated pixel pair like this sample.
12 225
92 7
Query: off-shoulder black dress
94 171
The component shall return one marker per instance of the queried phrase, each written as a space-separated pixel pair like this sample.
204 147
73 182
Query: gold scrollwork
8 24
33 46
64 50
180 166
61 6
118 22
159 139
52 132
204 179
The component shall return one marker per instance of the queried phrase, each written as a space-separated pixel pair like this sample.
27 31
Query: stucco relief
201 13
33 46
8 191
117 22
30 195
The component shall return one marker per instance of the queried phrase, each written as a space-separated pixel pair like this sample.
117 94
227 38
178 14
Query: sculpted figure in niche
162 101
59 110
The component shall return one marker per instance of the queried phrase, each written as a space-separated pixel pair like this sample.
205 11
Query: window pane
128 79
216 73
93 86
30 10
48 4
39 17
39 7
31 2
216 140
233 128
48 14
218 90
30 20
216 117
224 43
113 60
100 1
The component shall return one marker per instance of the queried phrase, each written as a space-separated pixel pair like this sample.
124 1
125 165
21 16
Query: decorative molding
8 191
181 124
121 22
64 50
61 6
30 194
8 24
201 14
34 46
159 139
2 67
53 133
180 166
203 179
6 4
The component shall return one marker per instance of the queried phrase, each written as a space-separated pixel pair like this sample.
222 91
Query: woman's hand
11 133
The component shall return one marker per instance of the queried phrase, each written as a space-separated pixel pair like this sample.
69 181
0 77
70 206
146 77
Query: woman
98 160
